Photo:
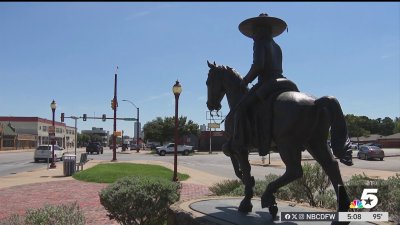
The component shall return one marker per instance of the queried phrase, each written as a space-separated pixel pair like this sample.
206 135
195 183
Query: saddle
262 128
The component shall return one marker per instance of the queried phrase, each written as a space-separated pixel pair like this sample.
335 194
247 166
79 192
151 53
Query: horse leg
323 155
291 156
236 167
248 181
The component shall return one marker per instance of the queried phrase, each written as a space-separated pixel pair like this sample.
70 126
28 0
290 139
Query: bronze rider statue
267 66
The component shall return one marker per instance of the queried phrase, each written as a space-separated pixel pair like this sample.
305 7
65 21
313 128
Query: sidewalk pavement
37 188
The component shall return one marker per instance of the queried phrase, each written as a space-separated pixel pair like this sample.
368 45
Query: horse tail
340 140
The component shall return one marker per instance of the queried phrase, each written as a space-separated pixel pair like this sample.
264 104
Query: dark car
94 147
370 152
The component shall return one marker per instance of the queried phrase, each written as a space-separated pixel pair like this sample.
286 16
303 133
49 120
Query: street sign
52 136
117 133
52 129
213 125
129 119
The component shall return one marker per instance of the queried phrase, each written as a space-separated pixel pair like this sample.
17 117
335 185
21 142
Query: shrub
393 206
14 219
313 183
139 200
226 187
49 215
55 215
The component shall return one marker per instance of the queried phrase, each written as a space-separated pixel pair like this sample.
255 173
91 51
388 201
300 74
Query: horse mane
229 70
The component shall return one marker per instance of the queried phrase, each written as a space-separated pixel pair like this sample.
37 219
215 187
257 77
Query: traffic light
104 117
84 117
112 104
62 117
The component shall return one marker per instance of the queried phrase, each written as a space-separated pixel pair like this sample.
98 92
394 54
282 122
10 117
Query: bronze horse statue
299 122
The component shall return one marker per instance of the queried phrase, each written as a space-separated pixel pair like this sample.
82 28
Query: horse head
215 88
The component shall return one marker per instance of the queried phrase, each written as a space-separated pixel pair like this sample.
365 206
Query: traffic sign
52 129
117 133
52 136
213 125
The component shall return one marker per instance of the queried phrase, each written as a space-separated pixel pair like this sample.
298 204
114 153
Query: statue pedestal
224 211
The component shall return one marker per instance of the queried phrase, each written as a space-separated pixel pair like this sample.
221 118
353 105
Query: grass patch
110 172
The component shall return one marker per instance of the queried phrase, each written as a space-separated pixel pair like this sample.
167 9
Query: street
216 163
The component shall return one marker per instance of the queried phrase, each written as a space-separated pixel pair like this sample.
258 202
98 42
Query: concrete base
224 211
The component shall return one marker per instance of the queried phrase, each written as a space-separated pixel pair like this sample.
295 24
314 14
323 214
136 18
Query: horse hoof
245 207
273 210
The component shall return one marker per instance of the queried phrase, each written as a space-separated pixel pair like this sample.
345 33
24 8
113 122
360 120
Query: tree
361 125
354 126
396 125
162 130
83 139
387 126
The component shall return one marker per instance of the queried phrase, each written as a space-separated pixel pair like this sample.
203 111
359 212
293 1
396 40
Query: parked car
354 146
133 147
170 148
370 152
152 146
44 152
94 147
111 146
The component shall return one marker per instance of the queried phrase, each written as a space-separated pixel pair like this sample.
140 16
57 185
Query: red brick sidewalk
17 199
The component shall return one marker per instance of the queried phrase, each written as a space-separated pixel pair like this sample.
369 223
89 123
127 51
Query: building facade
30 132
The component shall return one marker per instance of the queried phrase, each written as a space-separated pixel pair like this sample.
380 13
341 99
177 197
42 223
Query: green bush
139 200
313 183
12 220
226 187
49 215
311 188
393 204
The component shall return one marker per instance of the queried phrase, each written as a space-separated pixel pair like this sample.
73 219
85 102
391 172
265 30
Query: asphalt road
216 163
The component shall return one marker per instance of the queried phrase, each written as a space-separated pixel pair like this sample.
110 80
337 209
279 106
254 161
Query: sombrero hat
277 25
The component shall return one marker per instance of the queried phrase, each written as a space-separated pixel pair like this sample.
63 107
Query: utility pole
76 139
115 105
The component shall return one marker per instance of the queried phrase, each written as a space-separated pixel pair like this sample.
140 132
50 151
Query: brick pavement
18 198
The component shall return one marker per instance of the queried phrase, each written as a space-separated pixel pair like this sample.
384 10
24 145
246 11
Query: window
44 128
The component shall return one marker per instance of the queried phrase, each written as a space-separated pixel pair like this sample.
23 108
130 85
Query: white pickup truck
170 148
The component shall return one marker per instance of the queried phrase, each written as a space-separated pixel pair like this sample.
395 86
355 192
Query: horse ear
210 65
215 64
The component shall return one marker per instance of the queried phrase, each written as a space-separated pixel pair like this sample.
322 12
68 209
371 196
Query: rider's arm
258 62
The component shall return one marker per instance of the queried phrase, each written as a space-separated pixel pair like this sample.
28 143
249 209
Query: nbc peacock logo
368 199
356 204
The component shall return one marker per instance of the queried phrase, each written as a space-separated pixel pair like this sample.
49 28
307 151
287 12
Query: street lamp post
176 89
53 107
137 124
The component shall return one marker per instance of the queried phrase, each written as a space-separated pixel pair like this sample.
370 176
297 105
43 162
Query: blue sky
69 52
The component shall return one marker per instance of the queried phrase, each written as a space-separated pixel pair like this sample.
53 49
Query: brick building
29 132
